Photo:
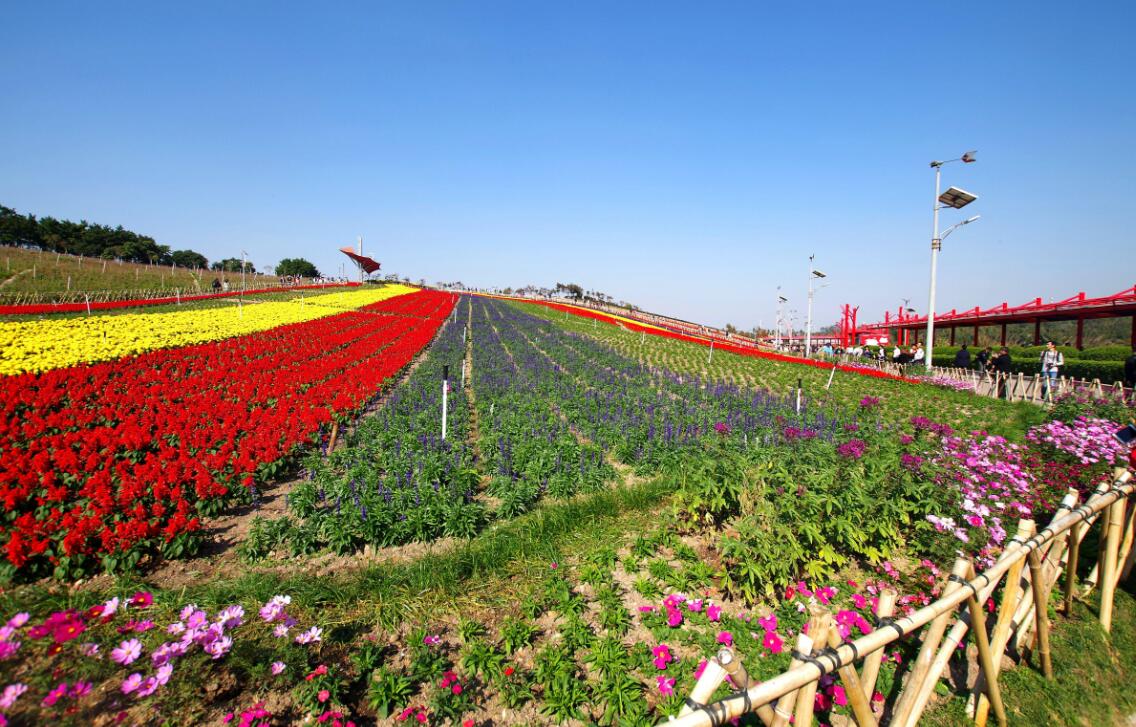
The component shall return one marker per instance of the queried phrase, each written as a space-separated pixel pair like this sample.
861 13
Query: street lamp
781 301
813 274
957 199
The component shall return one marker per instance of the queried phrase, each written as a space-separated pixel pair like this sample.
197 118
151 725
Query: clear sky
684 156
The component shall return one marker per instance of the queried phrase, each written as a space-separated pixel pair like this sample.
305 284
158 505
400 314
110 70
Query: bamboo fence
1025 577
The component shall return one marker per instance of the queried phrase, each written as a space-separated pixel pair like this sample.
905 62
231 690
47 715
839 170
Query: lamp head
970 157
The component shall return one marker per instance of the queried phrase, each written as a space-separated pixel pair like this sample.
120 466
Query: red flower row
40 308
111 457
718 344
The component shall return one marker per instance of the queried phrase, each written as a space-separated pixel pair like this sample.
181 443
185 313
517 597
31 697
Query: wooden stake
712 676
783 710
861 705
1041 609
741 679
819 625
1124 557
1108 570
334 434
1071 569
872 662
931 638
987 658
1001 635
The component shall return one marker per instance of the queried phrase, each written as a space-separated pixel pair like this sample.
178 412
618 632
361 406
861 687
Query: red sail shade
369 265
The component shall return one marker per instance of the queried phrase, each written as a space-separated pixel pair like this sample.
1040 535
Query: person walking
216 285
1001 367
962 358
1051 363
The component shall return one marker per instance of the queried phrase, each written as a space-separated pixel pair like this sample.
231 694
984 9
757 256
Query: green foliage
481 659
517 634
388 690
297 266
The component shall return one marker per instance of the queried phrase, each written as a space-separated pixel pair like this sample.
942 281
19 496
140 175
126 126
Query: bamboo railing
1027 573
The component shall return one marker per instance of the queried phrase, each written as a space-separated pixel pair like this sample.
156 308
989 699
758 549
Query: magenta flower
662 654
131 683
769 623
666 685
277 668
725 637
430 640
674 617
55 695
80 689
18 620
127 652
142 599
713 612
772 642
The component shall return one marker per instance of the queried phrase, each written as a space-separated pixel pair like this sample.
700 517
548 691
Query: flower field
35 346
107 462
609 506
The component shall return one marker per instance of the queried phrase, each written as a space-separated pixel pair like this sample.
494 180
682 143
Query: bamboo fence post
334 434
872 662
955 637
1051 569
803 673
1041 609
931 639
1090 581
783 710
1108 570
1124 557
819 625
978 700
861 705
1071 569
1054 558
712 676
986 657
741 679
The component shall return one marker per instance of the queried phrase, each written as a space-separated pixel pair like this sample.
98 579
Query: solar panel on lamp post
957 199
813 273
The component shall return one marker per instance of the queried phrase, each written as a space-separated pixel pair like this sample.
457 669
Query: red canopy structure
369 265
1077 308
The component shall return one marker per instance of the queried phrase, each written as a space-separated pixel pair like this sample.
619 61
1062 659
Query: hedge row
1107 371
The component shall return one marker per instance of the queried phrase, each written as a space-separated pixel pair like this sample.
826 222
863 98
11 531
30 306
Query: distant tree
571 290
297 266
232 265
17 229
188 259
731 328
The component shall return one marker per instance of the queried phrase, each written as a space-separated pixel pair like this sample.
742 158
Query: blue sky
687 158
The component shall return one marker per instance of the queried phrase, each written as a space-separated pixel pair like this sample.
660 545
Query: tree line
117 243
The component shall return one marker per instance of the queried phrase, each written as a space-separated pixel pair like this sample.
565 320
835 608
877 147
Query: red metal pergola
1077 308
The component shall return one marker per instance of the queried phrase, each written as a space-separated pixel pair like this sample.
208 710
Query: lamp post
956 198
781 301
244 257
813 273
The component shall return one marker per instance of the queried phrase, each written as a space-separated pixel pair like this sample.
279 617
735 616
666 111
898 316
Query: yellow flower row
48 344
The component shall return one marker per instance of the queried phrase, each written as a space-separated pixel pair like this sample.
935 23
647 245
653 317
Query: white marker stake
829 384
798 397
711 358
88 299
445 397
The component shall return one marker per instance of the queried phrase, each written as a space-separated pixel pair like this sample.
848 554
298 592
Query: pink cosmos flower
18 620
769 623
147 687
162 676
80 689
131 683
127 652
725 637
277 668
10 694
314 634
713 612
694 606
674 618
666 685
